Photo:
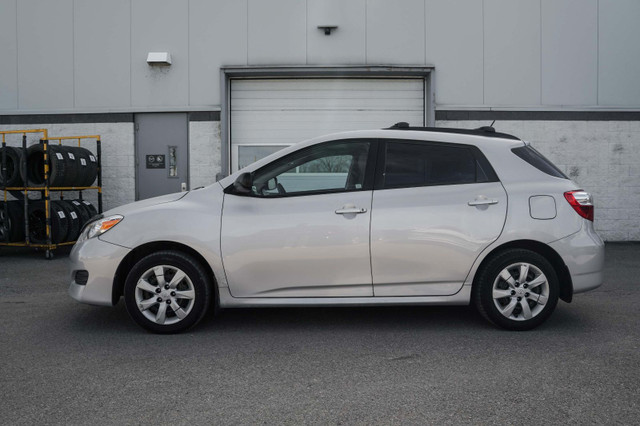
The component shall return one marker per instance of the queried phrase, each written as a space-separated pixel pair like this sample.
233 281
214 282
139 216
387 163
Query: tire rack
47 189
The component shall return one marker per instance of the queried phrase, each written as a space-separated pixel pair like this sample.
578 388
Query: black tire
80 211
87 165
73 219
90 208
171 261
13 162
37 223
11 221
35 166
509 260
72 170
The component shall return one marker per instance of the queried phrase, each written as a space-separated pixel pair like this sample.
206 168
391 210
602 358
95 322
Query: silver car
398 216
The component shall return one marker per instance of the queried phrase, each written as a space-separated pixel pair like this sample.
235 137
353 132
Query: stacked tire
13 163
69 166
11 221
67 220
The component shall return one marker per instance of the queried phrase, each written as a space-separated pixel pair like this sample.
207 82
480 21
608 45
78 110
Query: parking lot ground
63 362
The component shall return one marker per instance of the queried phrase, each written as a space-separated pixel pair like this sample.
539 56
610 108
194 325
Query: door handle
351 210
482 202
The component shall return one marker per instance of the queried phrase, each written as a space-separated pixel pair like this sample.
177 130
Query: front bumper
101 259
583 253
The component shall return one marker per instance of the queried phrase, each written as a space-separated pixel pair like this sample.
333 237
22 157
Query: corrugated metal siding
286 111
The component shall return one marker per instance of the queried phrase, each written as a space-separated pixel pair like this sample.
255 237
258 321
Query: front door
436 208
161 154
303 231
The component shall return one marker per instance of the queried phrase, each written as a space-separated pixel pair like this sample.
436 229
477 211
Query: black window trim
475 151
369 173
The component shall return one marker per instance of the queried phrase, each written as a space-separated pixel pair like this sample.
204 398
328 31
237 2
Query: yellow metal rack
46 189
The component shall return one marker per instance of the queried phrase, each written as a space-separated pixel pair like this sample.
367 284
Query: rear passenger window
539 161
422 164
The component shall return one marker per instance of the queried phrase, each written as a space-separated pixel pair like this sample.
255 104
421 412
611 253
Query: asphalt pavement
64 362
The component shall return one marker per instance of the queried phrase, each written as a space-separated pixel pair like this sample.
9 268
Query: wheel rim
165 294
520 291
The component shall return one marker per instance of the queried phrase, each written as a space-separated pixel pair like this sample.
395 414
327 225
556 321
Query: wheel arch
145 249
564 277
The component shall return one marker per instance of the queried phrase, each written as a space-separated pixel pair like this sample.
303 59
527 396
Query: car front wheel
167 292
517 289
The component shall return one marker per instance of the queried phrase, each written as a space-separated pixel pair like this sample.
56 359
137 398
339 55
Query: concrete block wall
118 159
204 152
603 157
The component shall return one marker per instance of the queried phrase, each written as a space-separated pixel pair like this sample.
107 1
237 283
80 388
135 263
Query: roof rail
487 131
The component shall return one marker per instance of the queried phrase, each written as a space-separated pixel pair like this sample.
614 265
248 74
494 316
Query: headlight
99 227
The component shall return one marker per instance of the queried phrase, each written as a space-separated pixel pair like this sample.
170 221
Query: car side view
397 216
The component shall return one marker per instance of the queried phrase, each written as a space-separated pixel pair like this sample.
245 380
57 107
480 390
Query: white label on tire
71 156
93 159
74 215
87 203
83 161
76 203
60 157
61 215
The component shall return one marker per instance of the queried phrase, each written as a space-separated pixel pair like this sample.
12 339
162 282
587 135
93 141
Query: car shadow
387 319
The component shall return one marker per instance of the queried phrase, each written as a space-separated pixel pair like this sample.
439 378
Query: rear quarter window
539 161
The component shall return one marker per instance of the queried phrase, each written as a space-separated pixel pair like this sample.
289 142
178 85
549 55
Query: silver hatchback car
398 216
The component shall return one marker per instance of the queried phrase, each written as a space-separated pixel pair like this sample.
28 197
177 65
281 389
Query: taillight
581 202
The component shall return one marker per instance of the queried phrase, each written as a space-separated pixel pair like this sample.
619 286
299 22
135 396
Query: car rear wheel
517 289
167 292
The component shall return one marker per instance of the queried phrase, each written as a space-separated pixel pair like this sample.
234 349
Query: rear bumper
583 253
101 260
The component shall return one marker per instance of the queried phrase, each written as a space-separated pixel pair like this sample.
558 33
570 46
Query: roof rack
487 131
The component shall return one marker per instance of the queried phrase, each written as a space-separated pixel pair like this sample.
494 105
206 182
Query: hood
139 205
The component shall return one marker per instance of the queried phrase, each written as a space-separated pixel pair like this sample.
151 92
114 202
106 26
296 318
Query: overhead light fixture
159 58
327 28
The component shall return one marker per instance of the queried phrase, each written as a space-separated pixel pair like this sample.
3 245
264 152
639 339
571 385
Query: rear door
435 208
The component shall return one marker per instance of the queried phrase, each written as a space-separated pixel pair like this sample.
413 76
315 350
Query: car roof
487 131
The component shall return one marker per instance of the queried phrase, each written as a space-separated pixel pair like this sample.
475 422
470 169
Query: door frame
229 73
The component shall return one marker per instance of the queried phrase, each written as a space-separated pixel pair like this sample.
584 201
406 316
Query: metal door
161 154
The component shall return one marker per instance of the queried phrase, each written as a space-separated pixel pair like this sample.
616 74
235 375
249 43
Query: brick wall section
118 159
204 152
603 157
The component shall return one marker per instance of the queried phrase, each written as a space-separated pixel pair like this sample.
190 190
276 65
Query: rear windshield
537 160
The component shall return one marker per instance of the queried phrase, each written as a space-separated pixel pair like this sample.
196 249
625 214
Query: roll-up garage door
269 114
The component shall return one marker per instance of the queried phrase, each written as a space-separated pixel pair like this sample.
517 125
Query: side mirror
272 184
243 184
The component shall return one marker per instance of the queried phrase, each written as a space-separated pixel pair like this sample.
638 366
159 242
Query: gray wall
89 55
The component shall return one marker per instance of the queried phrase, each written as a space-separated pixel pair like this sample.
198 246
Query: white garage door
267 115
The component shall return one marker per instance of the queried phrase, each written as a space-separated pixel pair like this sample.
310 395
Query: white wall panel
277 32
217 37
282 112
159 26
454 46
102 53
619 53
569 52
346 44
8 55
512 52
395 32
45 54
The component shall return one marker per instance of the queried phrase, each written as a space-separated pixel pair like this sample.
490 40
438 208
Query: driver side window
327 167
